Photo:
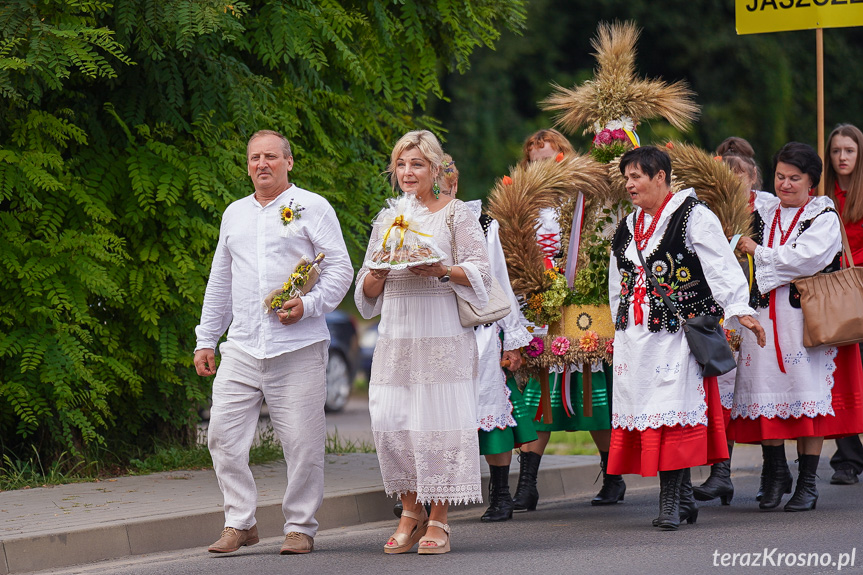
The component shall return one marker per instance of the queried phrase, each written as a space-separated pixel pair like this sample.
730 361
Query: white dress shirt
252 259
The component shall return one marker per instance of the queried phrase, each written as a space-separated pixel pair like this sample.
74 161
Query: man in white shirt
278 357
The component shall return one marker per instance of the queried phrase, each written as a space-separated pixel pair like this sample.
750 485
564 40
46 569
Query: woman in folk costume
548 145
843 183
503 420
422 389
666 417
739 156
786 390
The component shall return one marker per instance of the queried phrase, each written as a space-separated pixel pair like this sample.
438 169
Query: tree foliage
760 87
122 139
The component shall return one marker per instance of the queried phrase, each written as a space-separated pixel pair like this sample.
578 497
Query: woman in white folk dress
423 384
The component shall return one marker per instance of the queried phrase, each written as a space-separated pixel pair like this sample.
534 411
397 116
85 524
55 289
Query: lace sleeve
368 307
470 248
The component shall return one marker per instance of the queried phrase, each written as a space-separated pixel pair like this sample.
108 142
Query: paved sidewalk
67 525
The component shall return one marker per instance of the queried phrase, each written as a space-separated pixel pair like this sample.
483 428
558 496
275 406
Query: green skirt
601 419
503 440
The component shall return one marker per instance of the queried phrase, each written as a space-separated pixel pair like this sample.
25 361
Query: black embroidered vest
485 222
760 300
677 269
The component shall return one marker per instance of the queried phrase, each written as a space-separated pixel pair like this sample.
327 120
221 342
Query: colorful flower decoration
659 268
609 346
559 157
290 213
683 274
506 181
670 145
535 347
560 345
589 341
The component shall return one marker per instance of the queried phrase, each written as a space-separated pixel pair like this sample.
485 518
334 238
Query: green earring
436 190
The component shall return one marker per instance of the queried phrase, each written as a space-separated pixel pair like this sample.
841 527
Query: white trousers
294 385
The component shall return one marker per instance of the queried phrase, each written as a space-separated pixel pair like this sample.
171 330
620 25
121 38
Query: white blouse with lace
805 389
423 386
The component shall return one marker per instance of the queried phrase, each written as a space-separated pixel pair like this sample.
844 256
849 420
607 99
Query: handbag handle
846 247
450 223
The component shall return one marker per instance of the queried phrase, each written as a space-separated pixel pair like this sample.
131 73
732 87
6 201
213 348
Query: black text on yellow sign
757 16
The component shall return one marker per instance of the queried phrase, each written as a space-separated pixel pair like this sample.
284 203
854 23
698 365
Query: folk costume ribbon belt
783 237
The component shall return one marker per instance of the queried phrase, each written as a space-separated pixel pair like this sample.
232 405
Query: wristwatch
445 278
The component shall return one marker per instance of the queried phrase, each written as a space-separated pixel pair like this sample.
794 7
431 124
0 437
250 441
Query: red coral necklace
641 237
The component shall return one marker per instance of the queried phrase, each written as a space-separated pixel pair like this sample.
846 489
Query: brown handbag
832 304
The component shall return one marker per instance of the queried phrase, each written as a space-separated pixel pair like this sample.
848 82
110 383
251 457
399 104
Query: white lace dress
423 387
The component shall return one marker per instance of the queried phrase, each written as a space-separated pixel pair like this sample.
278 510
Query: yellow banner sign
757 16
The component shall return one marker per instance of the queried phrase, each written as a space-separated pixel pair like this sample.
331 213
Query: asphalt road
569 537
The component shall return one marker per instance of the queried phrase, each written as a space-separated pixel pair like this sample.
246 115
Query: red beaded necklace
777 223
641 237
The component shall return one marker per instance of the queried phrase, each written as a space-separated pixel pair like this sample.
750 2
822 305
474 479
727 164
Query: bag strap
849 259
450 223
649 273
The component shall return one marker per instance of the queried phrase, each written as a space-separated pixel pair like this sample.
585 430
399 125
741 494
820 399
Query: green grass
571 443
16 474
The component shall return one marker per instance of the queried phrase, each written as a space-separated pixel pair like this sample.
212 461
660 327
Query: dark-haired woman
785 390
666 416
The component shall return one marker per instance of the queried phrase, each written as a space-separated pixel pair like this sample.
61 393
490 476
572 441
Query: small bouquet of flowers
404 242
613 139
303 278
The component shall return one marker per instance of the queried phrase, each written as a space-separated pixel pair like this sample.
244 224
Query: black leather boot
526 494
688 507
499 499
806 493
777 480
760 493
669 499
718 484
613 487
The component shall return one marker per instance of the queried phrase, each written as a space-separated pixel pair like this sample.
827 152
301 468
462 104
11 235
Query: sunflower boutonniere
289 214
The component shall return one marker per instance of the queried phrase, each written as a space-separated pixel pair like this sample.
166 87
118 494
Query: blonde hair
427 144
853 211
286 145
449 173
539 140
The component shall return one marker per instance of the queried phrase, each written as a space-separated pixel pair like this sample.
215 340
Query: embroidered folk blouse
657 381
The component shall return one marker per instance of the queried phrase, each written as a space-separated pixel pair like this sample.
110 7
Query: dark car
368 341
344 359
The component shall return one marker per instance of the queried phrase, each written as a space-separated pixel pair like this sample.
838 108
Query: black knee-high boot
499 499
526 493
777 476
718 484
688 506
806 493
613 487
669 499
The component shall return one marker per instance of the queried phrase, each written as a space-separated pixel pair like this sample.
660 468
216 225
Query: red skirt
847 406
669 448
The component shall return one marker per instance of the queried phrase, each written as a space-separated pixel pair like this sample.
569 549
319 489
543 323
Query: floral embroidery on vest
677 269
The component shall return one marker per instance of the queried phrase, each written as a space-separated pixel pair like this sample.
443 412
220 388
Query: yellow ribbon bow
403 226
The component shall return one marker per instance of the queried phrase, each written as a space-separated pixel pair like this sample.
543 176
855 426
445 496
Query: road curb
559 477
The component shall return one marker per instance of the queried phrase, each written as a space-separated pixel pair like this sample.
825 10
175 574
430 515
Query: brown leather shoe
232 539
296 543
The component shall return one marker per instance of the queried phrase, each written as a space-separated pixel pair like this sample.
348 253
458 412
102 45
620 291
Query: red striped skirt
847 407
668 448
